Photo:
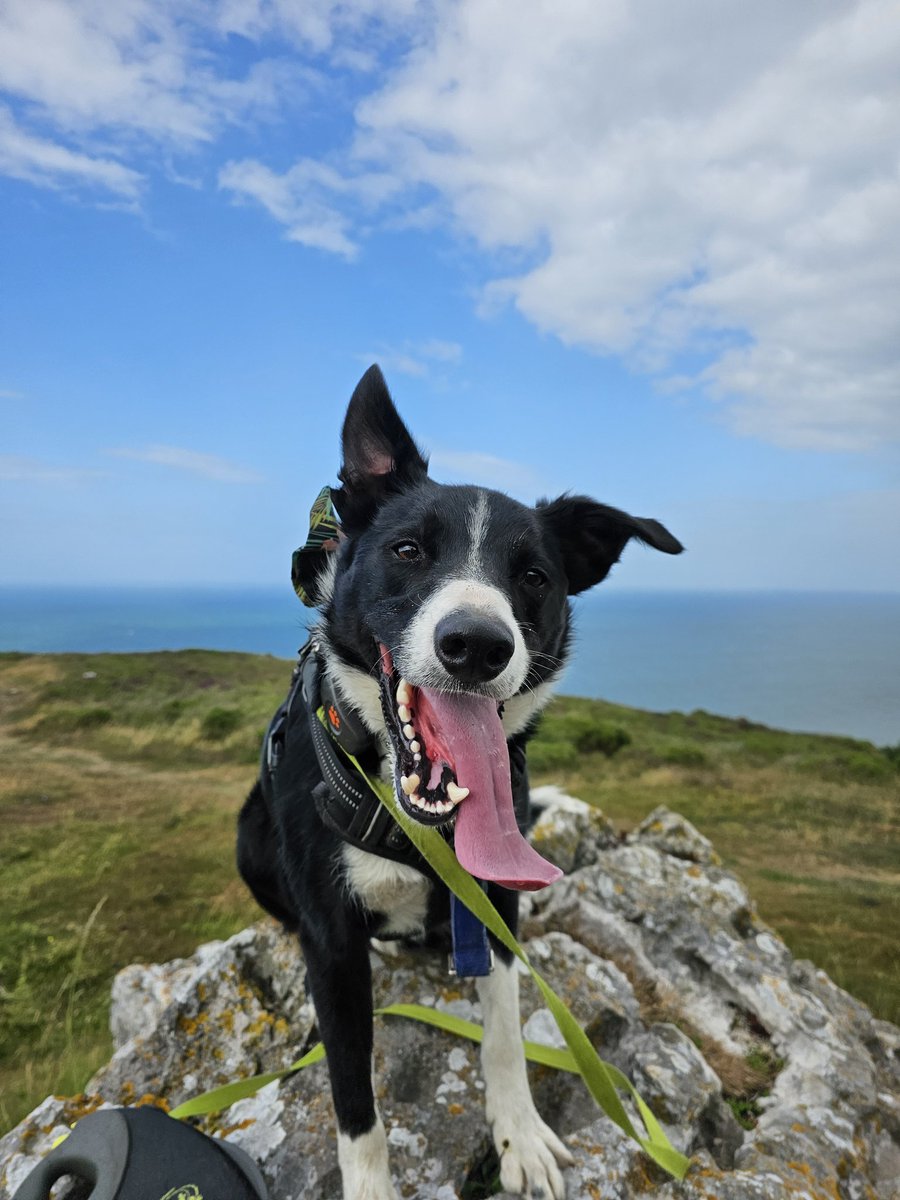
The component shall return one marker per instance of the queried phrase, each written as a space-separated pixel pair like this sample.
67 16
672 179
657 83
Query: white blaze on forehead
472 592
477 525
416 656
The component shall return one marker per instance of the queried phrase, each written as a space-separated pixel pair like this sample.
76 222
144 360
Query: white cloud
416 359
719 179
162 71
207 466
136 66
38 160
98 84
16 468
445 352
710 190
472 466
300 200
318 25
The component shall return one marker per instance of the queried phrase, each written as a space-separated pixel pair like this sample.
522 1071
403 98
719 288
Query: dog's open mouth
451 762
426 781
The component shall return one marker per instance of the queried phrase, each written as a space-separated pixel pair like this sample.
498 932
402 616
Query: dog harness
349 807
343 801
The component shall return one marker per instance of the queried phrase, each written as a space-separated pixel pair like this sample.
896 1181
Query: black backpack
144 1154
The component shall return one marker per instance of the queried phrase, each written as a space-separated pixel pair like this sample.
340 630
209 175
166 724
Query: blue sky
650 256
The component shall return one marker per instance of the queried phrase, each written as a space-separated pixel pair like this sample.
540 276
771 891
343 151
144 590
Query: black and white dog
444 622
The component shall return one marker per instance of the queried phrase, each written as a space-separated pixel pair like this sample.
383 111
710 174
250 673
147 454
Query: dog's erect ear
380 456
592 536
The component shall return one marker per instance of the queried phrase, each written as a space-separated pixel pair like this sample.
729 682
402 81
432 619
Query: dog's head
446 617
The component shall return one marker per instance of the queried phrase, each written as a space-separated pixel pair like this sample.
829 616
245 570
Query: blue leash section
471 951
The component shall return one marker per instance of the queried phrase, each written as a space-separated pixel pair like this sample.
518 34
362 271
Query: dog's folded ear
592 536
379 454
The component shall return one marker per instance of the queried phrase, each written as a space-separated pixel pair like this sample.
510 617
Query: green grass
123 775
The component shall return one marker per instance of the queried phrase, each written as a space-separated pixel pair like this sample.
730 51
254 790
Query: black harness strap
344 802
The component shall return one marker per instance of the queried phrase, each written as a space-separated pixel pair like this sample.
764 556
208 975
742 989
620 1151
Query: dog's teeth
417 757
456 793
415 747
408 732
404 693
403 713
409 783
419 802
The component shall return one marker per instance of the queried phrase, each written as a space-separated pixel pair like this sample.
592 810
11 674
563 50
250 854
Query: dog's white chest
397 891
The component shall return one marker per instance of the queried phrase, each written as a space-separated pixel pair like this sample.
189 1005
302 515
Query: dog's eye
534 578
408 551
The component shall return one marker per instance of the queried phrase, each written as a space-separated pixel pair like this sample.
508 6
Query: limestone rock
568 832
658 952
233 1009
143 991
674 835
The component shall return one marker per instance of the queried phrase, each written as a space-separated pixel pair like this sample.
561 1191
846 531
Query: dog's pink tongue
487 839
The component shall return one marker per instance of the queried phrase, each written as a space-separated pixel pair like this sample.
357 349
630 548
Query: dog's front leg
340 980
530 1152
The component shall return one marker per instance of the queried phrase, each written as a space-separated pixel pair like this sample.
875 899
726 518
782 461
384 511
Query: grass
123 775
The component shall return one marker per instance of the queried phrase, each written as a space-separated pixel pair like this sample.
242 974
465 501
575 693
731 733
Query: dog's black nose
472 647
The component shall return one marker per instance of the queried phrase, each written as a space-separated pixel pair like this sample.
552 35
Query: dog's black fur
370 591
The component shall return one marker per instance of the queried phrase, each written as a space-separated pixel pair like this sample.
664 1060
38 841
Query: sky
645 251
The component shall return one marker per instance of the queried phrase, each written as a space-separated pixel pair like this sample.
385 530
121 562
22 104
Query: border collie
444 622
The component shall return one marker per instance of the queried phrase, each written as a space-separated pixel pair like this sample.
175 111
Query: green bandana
323 537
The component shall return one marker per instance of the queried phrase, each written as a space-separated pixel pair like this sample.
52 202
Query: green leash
603 1080
230 1093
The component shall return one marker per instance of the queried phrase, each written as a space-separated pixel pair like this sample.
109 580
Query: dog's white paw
530 1156
365 1172
370 1189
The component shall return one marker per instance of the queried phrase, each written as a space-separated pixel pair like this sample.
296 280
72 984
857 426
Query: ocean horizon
817 662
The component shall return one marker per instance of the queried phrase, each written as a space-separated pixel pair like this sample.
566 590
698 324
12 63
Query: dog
444 622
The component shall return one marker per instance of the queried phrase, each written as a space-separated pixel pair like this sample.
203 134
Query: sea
806 661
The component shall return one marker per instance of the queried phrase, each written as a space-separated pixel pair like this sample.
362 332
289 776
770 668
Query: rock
687 935
233 1009
567 831
672 834
142 992
658 952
